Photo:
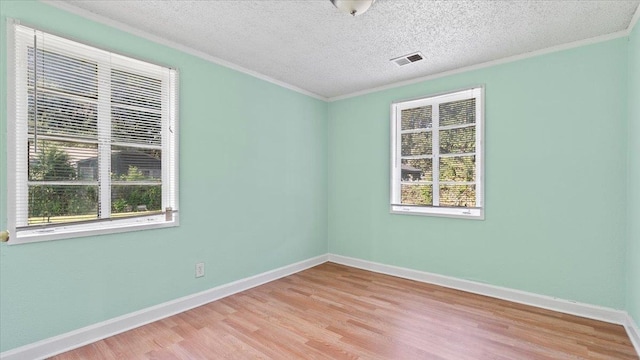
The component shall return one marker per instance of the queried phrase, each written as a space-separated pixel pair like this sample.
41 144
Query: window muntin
94 143
437 155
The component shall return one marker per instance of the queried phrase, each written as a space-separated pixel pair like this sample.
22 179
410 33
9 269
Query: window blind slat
63 116
62 73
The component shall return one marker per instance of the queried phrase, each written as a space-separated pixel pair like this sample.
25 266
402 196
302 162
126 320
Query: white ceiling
310 45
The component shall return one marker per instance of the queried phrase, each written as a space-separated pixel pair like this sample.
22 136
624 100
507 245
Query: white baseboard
522 297
546 302
634 333
74 339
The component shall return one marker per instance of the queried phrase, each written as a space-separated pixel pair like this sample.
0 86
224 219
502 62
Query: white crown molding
518 296
186 49
634 333
86 335
634 20
143 34
487 64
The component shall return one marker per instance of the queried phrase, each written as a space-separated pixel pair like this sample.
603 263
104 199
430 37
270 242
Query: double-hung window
437 155
92 140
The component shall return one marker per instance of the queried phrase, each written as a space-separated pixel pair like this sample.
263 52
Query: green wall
633 251
253 197
556 180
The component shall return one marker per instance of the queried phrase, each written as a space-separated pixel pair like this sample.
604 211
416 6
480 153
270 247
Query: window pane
62 74
135 126
458 195
62 161
417 169
416 144
458 112
416 194
132 200
135 90
62 203
132 164
63 115
457 141
458 168
416 118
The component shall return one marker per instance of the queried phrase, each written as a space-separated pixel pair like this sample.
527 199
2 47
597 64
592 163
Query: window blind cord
35 93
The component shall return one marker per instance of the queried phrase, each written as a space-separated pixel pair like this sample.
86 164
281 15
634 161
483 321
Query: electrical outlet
199 270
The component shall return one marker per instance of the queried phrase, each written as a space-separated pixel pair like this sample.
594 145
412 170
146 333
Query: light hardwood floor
337 312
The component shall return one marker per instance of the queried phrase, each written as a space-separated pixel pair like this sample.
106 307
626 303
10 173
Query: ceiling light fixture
353 7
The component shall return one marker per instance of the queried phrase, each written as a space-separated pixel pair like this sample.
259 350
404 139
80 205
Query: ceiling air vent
408 59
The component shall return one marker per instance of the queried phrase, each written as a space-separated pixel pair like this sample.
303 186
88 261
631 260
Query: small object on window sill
4 236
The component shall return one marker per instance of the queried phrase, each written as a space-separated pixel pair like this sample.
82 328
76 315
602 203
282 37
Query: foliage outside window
437 155
94 140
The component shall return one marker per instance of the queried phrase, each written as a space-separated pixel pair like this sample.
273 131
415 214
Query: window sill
473 214
84 230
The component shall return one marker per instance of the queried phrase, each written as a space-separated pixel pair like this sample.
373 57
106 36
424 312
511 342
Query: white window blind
437 155
94 140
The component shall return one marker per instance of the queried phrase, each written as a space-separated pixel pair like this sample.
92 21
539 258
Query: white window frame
396 172
17 154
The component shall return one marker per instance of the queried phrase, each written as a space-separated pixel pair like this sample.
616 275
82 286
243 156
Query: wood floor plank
338 312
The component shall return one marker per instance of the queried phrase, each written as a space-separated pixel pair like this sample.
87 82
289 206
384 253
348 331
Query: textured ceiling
311 45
